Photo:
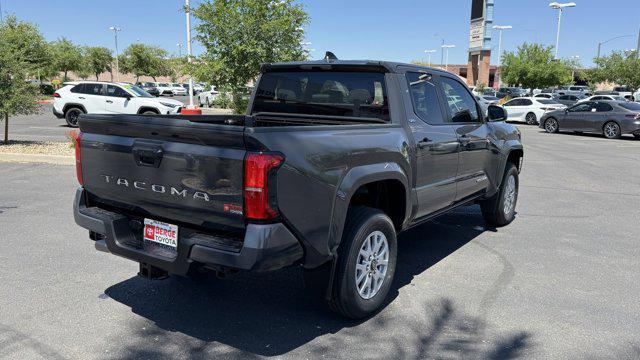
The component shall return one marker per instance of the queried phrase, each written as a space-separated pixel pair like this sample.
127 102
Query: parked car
530 110
149 87
165 89
603 97
46 89
93 97
624 91
636 96
206 97
178 89
611 118
485 101
569 100
294 182
511 92
572 90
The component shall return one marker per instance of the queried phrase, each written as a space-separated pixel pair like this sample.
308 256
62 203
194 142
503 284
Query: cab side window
462 107
424 97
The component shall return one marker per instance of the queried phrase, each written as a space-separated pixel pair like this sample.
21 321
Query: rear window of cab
328 93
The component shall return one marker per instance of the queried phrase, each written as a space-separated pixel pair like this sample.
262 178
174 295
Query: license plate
161 233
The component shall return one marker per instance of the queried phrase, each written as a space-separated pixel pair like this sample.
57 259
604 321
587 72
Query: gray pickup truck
331 161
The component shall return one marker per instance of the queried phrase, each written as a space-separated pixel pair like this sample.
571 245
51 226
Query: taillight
78 138
634 116
257 168
56 95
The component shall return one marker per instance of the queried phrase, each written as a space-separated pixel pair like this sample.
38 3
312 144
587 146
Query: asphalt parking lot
560 282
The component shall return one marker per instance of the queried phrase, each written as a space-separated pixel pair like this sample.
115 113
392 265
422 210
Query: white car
94 97
207 96
530 110
164 89
624 91
603 97
178 89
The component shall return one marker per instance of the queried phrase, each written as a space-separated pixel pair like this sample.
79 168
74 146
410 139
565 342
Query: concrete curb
38 158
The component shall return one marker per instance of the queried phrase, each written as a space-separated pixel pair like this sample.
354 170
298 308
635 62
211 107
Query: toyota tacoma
331 161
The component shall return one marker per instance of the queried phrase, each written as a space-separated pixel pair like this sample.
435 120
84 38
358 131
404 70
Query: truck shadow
272 314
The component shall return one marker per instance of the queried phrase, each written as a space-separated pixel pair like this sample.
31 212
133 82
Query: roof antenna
328 56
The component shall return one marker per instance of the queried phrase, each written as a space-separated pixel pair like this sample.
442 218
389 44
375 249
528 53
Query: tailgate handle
148 157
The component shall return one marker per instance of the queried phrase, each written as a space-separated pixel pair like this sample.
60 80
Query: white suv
93 97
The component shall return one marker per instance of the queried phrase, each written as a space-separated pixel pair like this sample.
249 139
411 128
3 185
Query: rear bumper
265 247
57 113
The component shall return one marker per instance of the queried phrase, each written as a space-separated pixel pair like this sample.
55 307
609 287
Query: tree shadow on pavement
272 314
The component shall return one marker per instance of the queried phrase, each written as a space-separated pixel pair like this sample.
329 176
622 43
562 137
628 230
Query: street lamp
191 108
179 49
500 28
559 7
606 41
429 52
446 66
115 34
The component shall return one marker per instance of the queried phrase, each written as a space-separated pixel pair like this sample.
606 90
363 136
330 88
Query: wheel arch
73 105
147 108
387 180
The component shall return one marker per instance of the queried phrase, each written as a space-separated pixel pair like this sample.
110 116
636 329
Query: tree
534 67
622 68
22 51
66 56
239 35
98 59
143 60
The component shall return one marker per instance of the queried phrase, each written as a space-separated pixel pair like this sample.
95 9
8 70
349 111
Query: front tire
636 136
531 119
366 263
551 126
71 116
500 209
611 130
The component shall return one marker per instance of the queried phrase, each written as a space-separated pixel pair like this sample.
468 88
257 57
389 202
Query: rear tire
611 130
500 209
551 125
71 116
531 119
637 136
366 263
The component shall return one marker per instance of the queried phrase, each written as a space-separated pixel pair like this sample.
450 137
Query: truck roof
386 66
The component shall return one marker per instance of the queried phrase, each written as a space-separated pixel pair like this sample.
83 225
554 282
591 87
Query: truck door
475 160
436 145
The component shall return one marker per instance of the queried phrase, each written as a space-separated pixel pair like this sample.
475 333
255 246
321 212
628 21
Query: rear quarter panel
314 186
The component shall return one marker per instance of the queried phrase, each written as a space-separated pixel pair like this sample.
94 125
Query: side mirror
496 113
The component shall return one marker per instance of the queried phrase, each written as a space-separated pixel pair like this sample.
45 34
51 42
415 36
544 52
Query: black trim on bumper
265 247
58 114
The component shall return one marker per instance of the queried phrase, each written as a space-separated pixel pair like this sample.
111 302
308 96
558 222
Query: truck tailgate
166 168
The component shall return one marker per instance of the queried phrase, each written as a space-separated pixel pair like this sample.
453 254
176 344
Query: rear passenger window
93 89
78 89
526 102
424 96
462 107
603 107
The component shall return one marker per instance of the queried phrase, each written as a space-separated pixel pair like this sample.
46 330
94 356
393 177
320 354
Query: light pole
429 52
606 41
188 15
115 34
446 61
179 49
500 28
559 7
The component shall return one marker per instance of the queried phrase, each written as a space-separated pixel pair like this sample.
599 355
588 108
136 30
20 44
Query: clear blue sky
397 30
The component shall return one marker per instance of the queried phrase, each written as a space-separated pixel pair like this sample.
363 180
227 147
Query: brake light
78 138
56 95
257 167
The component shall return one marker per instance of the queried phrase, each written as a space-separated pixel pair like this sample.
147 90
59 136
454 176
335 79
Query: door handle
425 143
464 140
81 97
109 102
